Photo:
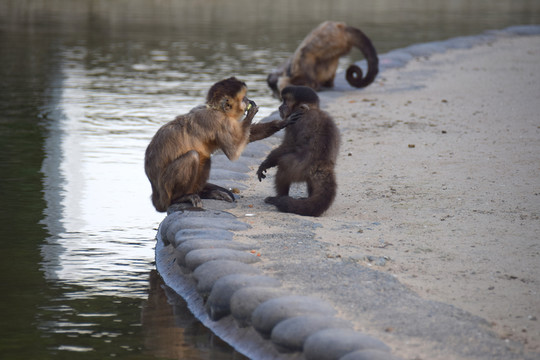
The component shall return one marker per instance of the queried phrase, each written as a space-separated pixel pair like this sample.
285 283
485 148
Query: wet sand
439 188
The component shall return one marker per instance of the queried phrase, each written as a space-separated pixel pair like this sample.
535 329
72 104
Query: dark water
84 85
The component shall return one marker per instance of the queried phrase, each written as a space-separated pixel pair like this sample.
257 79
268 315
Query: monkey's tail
320 200
354 73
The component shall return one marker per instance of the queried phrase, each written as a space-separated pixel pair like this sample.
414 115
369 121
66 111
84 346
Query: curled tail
320 199
305 206
354 74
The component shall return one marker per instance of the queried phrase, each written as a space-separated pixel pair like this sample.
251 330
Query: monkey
308 154
315 61
177 160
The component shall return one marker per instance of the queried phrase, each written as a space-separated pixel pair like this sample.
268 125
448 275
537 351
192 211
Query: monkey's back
177 137
322 135
327 41
316 139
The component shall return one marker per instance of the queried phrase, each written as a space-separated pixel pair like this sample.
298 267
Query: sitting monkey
177 160
315 61
308 154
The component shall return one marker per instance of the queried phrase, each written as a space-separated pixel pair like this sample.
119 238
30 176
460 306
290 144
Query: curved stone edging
244 307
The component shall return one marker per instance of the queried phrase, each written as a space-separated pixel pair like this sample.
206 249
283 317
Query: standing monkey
315 61
177 160
308 154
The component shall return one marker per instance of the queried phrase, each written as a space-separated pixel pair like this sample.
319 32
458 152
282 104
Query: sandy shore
439 186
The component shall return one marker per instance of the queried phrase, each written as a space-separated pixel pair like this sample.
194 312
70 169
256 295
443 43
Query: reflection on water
171 331
85 84
96 211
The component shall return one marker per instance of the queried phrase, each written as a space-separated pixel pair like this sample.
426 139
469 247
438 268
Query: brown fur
308 154
177 160
315 61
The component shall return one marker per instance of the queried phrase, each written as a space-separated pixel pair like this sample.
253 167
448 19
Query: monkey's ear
304 107
225 104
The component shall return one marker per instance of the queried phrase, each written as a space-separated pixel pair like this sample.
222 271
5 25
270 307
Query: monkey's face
297 100
285 109
272 81
243 100
244 104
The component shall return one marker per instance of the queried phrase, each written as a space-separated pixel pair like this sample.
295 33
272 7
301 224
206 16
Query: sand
439 186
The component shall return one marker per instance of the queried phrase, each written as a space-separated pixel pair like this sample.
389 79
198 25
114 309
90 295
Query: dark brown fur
308 154
177 160
315 61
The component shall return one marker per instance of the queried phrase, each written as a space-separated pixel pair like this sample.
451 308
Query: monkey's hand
297 115
293 118
252 109
261 171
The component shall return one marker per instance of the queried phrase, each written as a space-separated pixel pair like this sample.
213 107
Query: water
84 86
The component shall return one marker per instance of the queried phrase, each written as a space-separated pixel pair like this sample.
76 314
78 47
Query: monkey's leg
156 198
328 83
327 72
216 192
309 187
179 180
282 185
207 190
306 73
282 181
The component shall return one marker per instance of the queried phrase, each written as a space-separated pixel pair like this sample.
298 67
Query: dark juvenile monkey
177 160
315 61
308 154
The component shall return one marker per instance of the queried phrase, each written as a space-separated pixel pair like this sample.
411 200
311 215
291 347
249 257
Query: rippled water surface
85 84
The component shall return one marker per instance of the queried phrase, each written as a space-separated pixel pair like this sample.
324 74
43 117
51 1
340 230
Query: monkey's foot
194 199
216 192
185 206
272 200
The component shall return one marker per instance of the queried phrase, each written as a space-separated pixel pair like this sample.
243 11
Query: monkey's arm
234 136
264 130
271 161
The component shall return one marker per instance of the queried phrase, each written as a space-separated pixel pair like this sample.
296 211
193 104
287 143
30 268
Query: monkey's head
229 96
272 81
297 99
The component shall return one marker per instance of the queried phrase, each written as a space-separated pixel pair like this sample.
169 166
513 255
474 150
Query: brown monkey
308 154
177 160
315 61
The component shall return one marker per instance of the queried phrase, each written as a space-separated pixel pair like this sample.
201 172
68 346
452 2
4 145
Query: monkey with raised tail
314 63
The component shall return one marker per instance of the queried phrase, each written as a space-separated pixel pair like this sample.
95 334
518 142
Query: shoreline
432 238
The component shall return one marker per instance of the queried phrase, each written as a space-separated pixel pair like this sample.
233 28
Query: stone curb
197 256
225 285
